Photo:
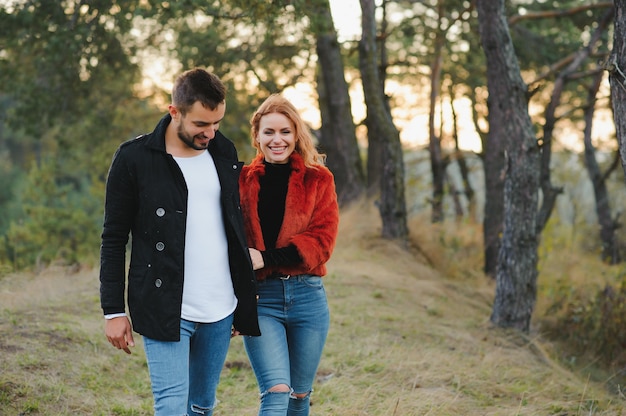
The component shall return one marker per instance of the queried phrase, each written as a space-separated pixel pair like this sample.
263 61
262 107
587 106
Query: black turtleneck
271 208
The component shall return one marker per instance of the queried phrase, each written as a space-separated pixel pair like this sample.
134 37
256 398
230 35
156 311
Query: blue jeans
185 374
294 321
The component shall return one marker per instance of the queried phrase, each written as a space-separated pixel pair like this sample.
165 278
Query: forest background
405 109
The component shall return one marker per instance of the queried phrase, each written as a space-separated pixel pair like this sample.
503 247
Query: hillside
405 340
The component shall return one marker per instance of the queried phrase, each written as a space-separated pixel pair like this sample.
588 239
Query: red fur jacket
311 215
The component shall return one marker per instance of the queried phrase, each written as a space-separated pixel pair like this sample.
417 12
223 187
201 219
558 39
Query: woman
291 216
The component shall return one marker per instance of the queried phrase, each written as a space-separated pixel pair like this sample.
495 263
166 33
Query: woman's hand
257 259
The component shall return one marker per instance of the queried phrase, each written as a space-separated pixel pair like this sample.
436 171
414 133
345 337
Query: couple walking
219 249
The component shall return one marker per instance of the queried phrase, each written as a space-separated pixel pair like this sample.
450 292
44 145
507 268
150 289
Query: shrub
61 221
592 324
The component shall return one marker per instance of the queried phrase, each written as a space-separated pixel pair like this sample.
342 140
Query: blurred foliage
59 219
10 182
68 99
55 54
257 48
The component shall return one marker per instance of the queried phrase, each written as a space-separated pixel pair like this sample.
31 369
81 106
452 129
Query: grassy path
404 341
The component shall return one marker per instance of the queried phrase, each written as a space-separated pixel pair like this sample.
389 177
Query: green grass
405 339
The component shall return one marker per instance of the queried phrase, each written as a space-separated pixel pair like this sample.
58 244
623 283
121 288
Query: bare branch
558 13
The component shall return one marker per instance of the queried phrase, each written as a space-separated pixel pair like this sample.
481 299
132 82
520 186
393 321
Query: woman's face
276 138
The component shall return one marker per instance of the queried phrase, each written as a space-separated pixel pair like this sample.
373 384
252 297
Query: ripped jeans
185 374
294 321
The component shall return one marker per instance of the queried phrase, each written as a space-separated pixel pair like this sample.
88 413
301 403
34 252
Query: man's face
197 128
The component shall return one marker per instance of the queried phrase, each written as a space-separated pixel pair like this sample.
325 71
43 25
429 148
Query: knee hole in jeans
279 388
201 410
300 396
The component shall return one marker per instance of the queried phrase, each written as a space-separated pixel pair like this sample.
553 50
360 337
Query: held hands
257 259
120 333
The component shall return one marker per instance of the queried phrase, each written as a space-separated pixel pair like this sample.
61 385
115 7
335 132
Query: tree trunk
516 276
375 154
610 253
616 66
392 199
338 136
493 220
375 148
434 141
493 144
459 157
549 192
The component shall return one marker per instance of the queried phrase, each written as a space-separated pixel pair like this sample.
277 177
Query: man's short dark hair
198 85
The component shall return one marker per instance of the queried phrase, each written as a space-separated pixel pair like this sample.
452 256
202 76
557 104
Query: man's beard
189 141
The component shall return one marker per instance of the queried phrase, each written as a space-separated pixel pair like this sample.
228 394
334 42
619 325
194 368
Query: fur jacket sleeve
311 215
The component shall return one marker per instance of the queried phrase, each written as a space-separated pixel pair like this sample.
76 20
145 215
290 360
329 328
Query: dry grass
410 335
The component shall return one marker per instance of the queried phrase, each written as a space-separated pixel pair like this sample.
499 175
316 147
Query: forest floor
410 335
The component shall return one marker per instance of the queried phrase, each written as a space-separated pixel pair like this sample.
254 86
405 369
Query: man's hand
119 332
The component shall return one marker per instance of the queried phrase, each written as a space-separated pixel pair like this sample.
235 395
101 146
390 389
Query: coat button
160 246
160 212
235 167
158 282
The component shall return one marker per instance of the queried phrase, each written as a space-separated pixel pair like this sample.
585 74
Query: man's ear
173 110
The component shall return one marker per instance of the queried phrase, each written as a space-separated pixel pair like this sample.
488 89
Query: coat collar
156 139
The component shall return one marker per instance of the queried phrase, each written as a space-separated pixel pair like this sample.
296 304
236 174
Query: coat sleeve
317 242
120 205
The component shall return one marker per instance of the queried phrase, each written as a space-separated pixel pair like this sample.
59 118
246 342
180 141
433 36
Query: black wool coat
146 199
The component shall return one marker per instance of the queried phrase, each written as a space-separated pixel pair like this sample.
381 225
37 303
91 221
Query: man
190 281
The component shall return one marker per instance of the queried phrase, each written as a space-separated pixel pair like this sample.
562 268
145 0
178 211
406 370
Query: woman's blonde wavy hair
305 145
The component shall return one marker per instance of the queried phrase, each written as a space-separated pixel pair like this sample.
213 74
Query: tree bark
493 220
493 153
616 65
516 276
338 134
392 203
